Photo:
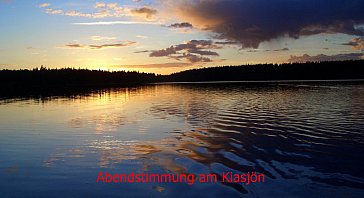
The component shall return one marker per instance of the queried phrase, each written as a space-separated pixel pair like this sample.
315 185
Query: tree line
67 78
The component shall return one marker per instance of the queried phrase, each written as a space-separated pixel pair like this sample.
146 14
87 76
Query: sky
167 36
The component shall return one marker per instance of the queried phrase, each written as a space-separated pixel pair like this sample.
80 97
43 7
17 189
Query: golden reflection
114 151
108 110
124 107
107 123
159 152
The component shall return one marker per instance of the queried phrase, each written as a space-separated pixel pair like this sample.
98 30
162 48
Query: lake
306 138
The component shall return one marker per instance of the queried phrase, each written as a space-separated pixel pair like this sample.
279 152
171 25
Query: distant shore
45 79
262 81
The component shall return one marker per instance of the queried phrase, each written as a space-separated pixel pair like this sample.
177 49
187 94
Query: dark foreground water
307 139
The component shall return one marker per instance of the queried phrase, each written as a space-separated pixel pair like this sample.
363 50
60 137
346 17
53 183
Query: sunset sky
165 36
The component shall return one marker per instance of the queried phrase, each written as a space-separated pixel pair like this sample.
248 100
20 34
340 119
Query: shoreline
259 81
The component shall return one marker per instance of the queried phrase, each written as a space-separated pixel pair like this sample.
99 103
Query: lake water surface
307 139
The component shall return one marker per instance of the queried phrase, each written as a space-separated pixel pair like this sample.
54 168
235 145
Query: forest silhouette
45 79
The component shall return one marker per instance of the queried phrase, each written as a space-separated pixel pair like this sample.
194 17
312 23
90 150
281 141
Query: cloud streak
106 10
44 5
118 23
147 12
193 51
181 25
100 47
356 43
